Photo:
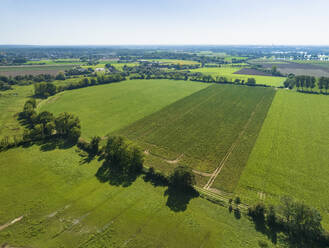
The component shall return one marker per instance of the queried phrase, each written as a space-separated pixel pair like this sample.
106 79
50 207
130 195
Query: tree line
43 126
307 83
301 223
147 71
123 162
7 82
46 89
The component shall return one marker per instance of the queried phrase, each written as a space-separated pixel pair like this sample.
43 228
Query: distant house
99 69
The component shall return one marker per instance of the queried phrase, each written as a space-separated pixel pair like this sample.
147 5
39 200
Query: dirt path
232 148
11 223
202 173
176 160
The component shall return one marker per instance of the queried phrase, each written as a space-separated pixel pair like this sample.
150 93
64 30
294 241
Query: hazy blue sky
107 22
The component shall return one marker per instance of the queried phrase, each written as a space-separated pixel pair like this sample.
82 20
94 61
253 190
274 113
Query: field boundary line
231 149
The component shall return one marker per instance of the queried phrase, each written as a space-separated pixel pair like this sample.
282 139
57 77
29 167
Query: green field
55 62
201 128
64 205
174 61
11 103
228 73
117 65
106 108
291 154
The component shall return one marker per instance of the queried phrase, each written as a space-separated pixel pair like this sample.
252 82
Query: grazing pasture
198 130
291 155
64 205
103 109
230 74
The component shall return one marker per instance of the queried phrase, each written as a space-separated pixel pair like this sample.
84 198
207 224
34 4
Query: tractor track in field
231 149
11 222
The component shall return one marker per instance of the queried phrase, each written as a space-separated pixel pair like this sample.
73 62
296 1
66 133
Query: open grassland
291 154
106 108
64 205
199 129
11 103
173 61
230 58
228 72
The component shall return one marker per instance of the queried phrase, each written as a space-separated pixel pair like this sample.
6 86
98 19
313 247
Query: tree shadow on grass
86 157
55 143
179 199
270 231
156 179
290 240
50 144
115 176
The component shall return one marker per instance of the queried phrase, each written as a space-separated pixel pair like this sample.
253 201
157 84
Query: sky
164 22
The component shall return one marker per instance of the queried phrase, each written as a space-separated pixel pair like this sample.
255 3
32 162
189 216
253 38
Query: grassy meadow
11 103
228 73
174 61
106 108
291 155
64 205
201 128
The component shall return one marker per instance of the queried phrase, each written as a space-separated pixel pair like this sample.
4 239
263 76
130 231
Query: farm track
231 149
221 197
11 223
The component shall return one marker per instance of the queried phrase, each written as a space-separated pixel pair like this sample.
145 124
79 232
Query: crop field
64 205
56 62
291 154
106 108
33 69
250 71
324 64
299 68
228 72
200 129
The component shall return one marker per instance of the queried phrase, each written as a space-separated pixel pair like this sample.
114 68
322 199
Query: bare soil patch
298 69
29 72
